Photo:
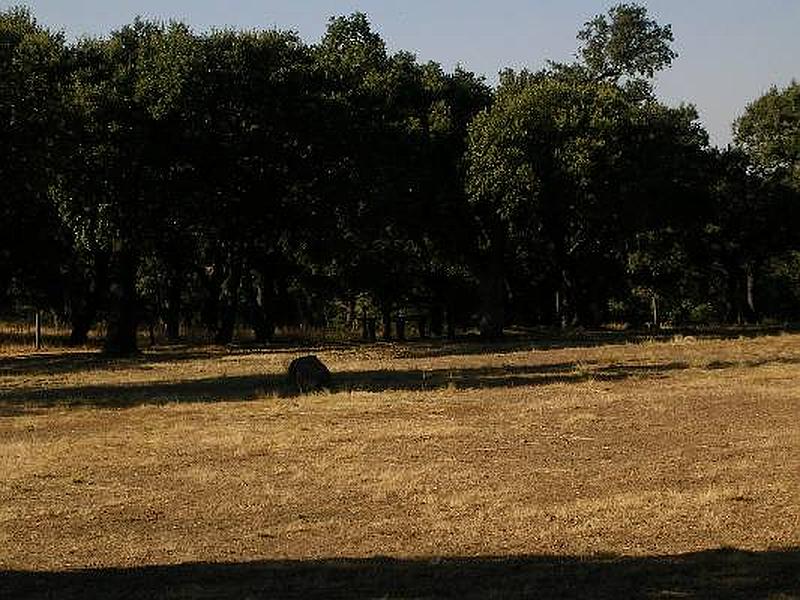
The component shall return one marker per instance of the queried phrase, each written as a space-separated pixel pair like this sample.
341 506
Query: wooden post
38 332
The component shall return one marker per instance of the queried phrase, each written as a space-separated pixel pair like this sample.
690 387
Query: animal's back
308 373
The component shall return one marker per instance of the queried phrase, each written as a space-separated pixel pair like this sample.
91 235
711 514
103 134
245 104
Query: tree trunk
5 284
86 301
364 326
568 297
211 278
229 300
451 321
263 306
492 306
654 309
422 325
400 325
750 313
493 290
558 315
83 313
352 317
437 320
741 294
386 316
733 309
172 312
81 325
123 307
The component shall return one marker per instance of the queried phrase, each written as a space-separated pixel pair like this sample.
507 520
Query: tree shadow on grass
471 345
214 389
26 399
710 574
491 377
74 361
77 361
555 339
69 361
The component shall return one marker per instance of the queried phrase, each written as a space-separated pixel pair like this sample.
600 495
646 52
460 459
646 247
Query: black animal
308 374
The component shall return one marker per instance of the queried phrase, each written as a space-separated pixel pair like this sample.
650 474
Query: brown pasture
532 468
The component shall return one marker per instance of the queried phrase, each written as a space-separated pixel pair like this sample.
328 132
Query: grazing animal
308 374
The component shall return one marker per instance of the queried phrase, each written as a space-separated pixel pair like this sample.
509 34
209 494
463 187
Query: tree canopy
769 132
225 180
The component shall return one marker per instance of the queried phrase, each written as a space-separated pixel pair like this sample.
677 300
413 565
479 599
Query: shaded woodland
163 177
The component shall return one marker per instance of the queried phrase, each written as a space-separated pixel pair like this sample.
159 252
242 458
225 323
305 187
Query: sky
729 51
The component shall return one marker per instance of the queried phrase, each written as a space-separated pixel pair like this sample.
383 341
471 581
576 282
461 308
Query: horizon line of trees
162 175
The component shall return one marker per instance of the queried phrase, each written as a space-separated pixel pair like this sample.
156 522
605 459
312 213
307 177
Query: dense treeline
163 176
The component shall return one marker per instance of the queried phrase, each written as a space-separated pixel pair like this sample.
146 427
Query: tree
247 177
625 43
124 95
752 222
250 126
33 70
565 165
387 181
763 192
769 133
369 243
534 158
450 245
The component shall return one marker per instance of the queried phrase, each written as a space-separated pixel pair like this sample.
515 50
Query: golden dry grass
529 451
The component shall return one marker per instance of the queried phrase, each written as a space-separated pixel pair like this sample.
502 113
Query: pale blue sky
730 51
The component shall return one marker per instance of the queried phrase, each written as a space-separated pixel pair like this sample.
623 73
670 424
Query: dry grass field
534 468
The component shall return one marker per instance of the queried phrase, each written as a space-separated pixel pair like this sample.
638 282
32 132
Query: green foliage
158 174
32 114
782 285
769 133
351 50
576 166
625 43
